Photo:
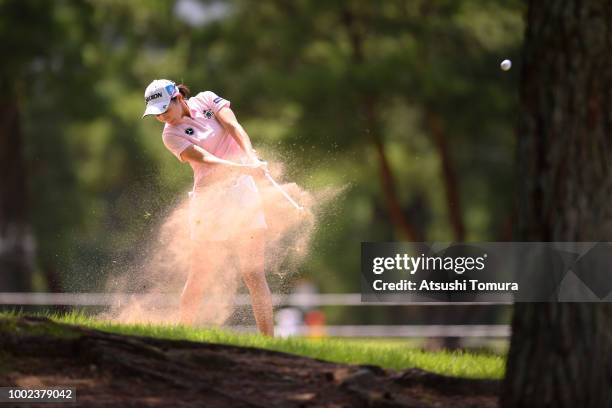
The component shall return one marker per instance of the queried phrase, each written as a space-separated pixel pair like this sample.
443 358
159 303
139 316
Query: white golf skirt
226 210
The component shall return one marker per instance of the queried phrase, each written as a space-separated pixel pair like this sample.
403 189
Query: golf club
283 192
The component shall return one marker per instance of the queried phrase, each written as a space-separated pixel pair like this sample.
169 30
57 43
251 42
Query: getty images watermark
486 272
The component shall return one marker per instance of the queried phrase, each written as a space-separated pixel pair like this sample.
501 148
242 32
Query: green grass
385 354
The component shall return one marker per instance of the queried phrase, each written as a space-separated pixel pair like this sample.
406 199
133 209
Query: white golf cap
158 95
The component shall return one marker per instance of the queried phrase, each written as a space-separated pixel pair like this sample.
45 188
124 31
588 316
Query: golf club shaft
279 188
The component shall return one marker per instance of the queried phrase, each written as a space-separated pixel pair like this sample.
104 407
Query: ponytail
184 90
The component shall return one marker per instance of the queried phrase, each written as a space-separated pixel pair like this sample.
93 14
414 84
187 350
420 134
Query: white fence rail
413 330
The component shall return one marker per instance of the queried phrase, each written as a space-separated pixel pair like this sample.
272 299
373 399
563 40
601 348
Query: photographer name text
405 285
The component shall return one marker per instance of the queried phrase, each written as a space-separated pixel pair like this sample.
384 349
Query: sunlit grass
384 354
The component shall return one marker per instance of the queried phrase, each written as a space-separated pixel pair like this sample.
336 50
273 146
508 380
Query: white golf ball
506 64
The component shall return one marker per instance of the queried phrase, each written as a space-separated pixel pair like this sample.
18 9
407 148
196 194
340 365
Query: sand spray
156 281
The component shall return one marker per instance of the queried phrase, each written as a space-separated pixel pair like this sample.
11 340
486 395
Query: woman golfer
225 209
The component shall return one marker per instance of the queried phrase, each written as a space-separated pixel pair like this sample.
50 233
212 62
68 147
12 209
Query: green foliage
414 58
300 75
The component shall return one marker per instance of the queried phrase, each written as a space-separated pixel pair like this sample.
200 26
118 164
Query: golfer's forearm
243 140
216 160
197 154
228 120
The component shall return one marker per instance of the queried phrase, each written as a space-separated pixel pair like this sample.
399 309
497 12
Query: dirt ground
110 370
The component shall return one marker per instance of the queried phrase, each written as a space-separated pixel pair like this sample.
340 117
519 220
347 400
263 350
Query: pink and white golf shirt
204 130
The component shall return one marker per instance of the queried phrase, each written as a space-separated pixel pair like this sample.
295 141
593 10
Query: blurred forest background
402 101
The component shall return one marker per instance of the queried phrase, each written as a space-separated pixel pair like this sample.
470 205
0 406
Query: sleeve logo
217 99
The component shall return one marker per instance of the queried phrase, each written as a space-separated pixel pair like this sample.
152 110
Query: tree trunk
449 176
394 207
16 241
560 352
356 34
